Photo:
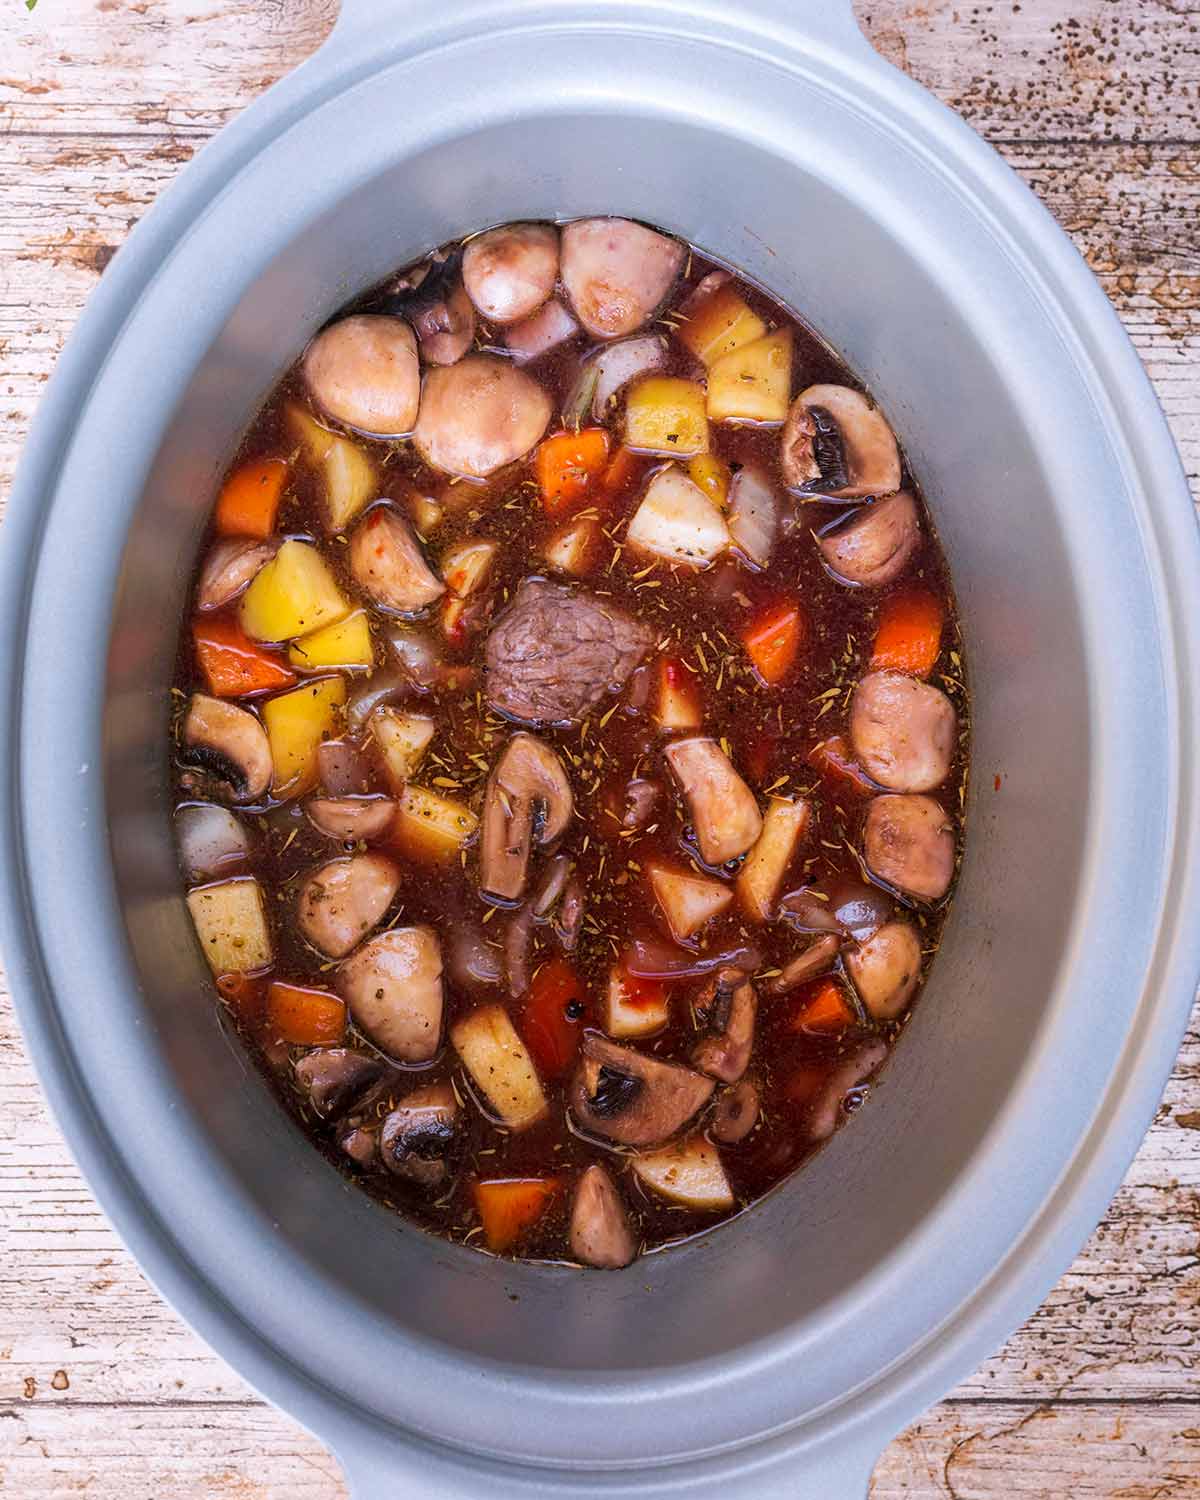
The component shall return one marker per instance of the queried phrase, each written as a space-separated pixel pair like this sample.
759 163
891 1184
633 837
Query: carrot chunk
773 640
553 1017
569 467
909 635
822 1008
233 665
249 500
305 1017
509 1206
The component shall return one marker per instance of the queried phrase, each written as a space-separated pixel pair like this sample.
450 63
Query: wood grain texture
102 1390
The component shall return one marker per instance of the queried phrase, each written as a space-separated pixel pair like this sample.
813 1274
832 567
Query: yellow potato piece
431 827
297 723
348 473
760 877
687 901
402 740
689 1172
497 1059
721 323
293 595
345 643
754 383
666 415
231 923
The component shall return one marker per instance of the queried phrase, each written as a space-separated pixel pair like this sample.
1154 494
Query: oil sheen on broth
570 741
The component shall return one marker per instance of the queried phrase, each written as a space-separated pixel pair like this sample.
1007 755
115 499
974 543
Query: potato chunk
501 1067
346 643
719 324
347 472
666 415
762 874
231 923
678 521
402 740
689 1172
634 1007
572 549
298 722
292 595
431 827
687 901
753 383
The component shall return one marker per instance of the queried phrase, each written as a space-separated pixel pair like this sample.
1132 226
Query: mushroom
387 563
335 1078
836 441
230 746
735 1113
350 819
823 1111
445 327
600 1234
518 938
816 958
886 968
418 1135
393 988
874 546
727 1005
903 731
569 922
360 1142
722 807
213 843
344 900
510 271
631 1099
230 568
550 326
908 843
632 804
528 799
478 415
471 961
364 371
617 273
342 768
845 907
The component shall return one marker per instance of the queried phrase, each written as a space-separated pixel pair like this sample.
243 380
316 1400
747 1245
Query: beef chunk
556 650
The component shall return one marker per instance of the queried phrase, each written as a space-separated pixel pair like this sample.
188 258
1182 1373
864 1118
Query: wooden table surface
103 1391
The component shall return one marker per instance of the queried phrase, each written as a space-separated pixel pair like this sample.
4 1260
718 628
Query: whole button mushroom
364 371
908 843
393 987
510 271
886 968
478 415
903 731
345 900
617 273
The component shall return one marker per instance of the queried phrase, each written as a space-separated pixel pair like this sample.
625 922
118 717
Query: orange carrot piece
509 1206
909 635
234 665
773 640
250 497
305 1017
822 1008
245 995
834 760
569 467
553 1017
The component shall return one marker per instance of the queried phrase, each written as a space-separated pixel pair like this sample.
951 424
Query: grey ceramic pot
779 1355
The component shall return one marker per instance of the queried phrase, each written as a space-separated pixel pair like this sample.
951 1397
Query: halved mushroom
342 768
908 843
886 968
418 1135
350 819
735 1113
213 842
835 442
230 567
387 563
528 800
478 415
335 1078
393 988
445 325
842 1086
815 959
550 326
874 546
631 804
344 900
230 746
727 1006
617 273
510 271
722 807
364 371
359 1140
625 1096
600 1232
903 731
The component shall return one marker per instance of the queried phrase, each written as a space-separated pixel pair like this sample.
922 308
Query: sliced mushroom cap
722 807
446 328
229 568
479 415
335 1078
623 1095
510 271
874 546
419 1134
617 273
908 843
213 842
393 987
528 799
388 564
729 1005
351 818
600 1232
229 745
816 959
828 1106
837 443
886 968
735 1113
364 371
903 731
632 805
344 900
